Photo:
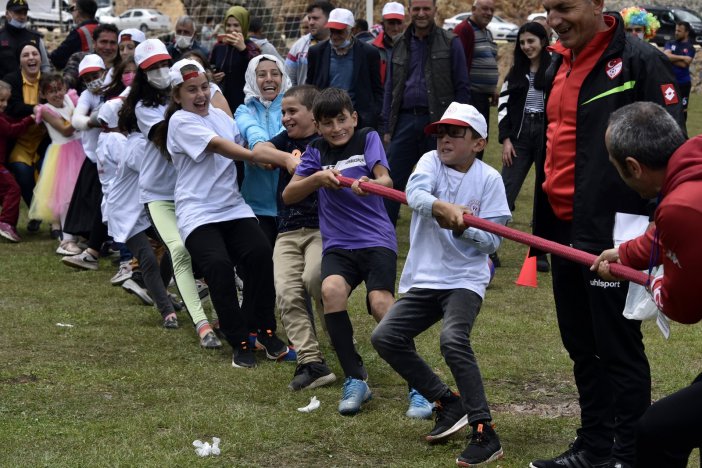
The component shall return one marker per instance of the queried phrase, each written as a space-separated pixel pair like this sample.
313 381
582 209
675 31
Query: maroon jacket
10 128
678 221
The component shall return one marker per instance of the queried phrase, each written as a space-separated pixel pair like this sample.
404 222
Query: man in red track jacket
650 153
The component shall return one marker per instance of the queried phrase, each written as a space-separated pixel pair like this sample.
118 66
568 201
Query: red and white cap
461 115
131 34
394 10
109 112
149 52
178 76
340 18
90 63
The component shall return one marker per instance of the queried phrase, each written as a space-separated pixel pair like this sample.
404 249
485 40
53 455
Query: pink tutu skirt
53 191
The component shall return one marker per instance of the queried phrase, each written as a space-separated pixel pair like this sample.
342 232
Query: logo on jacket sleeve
614 68
669 95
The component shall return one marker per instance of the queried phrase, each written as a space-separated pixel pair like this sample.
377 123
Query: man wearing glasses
445 277
80 39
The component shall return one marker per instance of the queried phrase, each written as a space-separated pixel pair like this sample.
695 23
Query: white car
139 18
500 29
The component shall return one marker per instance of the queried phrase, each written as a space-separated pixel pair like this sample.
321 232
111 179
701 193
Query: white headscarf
251 90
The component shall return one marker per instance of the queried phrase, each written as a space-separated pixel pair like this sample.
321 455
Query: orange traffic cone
527 276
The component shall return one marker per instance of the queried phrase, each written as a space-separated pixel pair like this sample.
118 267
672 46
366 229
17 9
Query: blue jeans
408 144
417 311
528 146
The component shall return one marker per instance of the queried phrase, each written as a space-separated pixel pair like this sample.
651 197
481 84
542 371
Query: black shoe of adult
575 456
495 260
33 225
449 419
483 447
311 375
275 348
243 356
542 264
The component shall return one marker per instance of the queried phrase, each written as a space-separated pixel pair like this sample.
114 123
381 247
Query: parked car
140 18
47 14
105 8
500 29
668 16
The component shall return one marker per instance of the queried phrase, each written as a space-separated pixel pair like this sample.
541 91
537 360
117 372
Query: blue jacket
256 124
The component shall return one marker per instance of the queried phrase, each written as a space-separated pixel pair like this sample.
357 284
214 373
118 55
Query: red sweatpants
9 197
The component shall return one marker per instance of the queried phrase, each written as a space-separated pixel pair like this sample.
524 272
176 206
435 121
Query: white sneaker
123 274
132 287
68 247
84 261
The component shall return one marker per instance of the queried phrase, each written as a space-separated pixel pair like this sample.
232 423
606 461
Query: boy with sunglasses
445 277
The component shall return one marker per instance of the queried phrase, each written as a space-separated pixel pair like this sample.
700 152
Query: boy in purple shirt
358 239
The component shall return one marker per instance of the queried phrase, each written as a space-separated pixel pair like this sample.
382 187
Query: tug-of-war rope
569 253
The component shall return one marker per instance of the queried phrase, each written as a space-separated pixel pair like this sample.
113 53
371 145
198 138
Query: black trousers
217 248
670 429
481 101
609 363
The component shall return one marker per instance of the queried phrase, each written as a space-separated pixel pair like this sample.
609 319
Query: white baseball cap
461 115
340 18
178 77
90 63
394 10
109 112
149 52
131 34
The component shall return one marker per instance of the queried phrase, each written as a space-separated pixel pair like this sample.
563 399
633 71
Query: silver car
145 19
501 30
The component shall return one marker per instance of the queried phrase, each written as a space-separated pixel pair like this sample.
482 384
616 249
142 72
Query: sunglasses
452 131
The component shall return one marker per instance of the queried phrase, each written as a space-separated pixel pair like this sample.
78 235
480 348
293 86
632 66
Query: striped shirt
535 97
483 69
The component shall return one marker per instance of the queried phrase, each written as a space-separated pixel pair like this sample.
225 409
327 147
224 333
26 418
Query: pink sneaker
9 232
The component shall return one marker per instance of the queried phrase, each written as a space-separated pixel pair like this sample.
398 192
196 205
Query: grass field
118 390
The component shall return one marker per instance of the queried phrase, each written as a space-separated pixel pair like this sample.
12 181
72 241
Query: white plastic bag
639 303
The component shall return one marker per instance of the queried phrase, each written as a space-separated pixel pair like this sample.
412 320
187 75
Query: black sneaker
449 419
243 356
484 447
495 260
275 349
311 375
542 264
33 225
576 456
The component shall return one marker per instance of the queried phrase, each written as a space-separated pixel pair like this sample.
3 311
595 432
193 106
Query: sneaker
484 447
68 247
575 456
202 289
9 232
243 356
109 249
55 233
84 261
450 419
290 356
123 274
178 305
355 392
33 225
275 349
210 341
170 322
542 264
495 260
419 407
132 287
311 375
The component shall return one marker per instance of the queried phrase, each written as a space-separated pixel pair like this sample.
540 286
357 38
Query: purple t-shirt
346 220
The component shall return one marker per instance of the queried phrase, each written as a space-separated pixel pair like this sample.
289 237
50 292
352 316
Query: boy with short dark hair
9 189
445 277
297 254
358 239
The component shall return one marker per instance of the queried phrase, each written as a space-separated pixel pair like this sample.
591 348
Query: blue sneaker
419 407
355 393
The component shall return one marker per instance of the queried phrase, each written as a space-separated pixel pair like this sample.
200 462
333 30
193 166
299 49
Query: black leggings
217 248
670 429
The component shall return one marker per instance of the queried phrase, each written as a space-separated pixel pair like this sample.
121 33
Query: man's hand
601 264
450 216
327 179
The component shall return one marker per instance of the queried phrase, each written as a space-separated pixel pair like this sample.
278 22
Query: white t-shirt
206 191
87 104
157 177
66 113
126 215
436 259
110 145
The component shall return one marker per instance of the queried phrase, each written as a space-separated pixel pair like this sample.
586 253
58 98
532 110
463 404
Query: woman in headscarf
260 119
232 53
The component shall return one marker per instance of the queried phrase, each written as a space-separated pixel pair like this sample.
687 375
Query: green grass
117 390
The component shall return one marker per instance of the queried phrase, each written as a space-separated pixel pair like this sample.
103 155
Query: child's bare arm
63 126
300 187
266 152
